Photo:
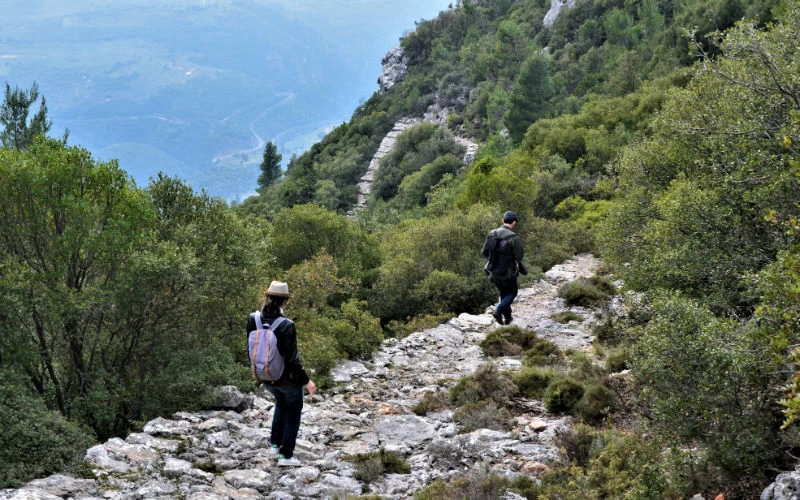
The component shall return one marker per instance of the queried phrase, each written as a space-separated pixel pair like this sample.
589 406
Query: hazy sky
175 85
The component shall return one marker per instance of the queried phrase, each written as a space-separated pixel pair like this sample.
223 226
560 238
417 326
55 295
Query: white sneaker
288 462
274 450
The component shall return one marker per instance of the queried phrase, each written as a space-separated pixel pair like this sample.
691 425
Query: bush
705 381
531 381
35 441
587 292
487 383
562 394
617 360
478 485
360 334
431 401
508 341
595 403
371 466
542 352
612 464
496 346
400 329
582 365
567 316
451 451
482 415
445 292
318 349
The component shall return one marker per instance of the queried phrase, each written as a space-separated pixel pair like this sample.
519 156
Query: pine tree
529 97
18 133
270 167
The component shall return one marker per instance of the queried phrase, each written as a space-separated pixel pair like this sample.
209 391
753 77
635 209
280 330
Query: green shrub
587 292
371 466
582 365
478 485
317 346
531 381
208 466
35 441
617 360
482 415
595 403
496 346
400 329
542 352
358 334
567 316
450 451
612 464
486 383
431 401
562 394
705 382
577 443
608 332
508 341
444 291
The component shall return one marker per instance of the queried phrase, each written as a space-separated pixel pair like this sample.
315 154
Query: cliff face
222 453
394 68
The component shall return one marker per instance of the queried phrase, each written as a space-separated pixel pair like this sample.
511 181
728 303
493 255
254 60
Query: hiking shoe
288 462
498 317
508 319
274 450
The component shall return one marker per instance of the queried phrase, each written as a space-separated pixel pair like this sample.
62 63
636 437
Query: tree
529 96
270 166
18 132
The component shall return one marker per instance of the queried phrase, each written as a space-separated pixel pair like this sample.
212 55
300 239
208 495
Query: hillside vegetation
660 135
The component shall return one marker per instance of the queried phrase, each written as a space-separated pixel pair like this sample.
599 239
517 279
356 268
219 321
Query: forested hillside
662 136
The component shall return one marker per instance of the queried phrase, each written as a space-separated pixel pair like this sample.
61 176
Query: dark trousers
508 292
286 416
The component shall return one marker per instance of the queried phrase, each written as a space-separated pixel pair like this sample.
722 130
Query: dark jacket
293 372
514 240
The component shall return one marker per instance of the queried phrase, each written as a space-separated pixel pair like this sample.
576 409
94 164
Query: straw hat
278 289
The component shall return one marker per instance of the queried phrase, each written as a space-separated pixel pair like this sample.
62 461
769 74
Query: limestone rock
785 487
394 68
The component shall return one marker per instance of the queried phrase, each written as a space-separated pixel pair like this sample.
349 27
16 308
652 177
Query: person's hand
312 387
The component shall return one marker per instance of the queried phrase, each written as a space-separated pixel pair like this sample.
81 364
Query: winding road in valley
260 142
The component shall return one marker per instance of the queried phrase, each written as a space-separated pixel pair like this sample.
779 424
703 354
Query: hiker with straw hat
288 389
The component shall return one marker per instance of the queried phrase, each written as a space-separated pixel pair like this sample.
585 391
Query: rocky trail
222 454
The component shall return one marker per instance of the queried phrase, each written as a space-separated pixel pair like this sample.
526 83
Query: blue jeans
286 417
508 292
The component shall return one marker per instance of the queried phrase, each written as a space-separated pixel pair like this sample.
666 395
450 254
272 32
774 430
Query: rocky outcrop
394 68
785 487
555 8
221 453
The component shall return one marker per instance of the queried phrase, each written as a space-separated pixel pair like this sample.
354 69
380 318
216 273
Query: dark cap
509 216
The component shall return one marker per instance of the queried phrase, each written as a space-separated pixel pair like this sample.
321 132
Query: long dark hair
272 305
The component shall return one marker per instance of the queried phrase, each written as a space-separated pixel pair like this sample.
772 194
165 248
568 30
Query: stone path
222 454
387 145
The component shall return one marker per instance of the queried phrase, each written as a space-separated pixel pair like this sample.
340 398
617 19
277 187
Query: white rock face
371 409
555 8
394 68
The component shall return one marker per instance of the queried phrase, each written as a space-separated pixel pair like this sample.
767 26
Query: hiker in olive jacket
503 269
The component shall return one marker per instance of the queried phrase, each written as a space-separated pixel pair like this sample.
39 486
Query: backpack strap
277 321
257 316
259 327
